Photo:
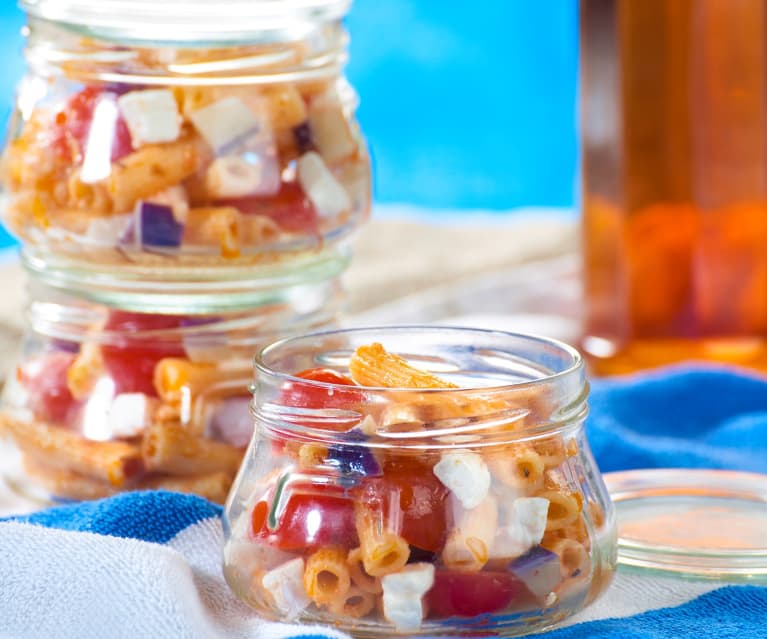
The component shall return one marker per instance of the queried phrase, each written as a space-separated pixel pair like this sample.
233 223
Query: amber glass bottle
674 126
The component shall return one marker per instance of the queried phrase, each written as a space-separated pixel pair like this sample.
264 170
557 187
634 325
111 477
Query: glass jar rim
181 21
295 421
576 362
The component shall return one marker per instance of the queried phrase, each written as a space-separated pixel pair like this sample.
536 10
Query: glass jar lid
704 524
182 21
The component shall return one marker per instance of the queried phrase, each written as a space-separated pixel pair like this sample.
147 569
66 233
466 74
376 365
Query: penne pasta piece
326 577
360 578
372 365
114 462
151 169
212 486
91 197
173 450
66 484
383 552
176 376
85 371
356 603
217 226
468 545
518 467
564 509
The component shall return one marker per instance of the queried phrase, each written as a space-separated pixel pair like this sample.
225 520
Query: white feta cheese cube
235 176
466 475
151 115
226 125
129 414
286 585
330 129
108 231
325 192
523 528
402 594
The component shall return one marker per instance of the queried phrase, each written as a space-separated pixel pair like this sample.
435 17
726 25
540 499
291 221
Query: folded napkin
149 564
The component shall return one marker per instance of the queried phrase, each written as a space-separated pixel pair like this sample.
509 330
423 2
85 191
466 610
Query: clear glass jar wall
104 400
153 137
465 509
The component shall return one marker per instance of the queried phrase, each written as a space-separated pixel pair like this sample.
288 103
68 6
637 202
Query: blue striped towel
148 564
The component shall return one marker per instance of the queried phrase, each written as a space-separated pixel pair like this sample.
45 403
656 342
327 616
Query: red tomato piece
310 520
421 499
289 208
130 361
467 594
73 124
313 396
45 380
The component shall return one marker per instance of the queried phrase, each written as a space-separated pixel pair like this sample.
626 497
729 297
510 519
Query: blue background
465 104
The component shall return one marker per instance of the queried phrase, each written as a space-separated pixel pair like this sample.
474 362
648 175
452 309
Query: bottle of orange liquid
674 129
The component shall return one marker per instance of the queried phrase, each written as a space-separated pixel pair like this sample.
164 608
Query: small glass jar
175 141
105 400
472 509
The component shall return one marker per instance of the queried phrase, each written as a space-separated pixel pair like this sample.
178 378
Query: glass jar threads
163 142
419 480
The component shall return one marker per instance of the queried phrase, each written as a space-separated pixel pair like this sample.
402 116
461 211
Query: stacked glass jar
184 177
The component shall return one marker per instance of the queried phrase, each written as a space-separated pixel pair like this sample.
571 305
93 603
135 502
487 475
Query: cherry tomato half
72 126
410 493
45 380
312 396
310 519
129 361
467 594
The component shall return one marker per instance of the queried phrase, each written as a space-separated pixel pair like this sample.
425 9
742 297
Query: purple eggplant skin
539 569
158 226
353 459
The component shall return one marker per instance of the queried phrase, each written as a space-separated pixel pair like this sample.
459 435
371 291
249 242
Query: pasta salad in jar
103 400
419 480
136 148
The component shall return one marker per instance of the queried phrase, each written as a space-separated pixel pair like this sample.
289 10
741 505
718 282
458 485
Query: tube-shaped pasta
258 229
372 365
85 371
551 450
563 509
174 376
326 577
212 486
66 483
574 559
577 531
356 603
311 455
215 226
360 578
383 551
520 468
151 169
93 198
171 449
468 545
114 462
